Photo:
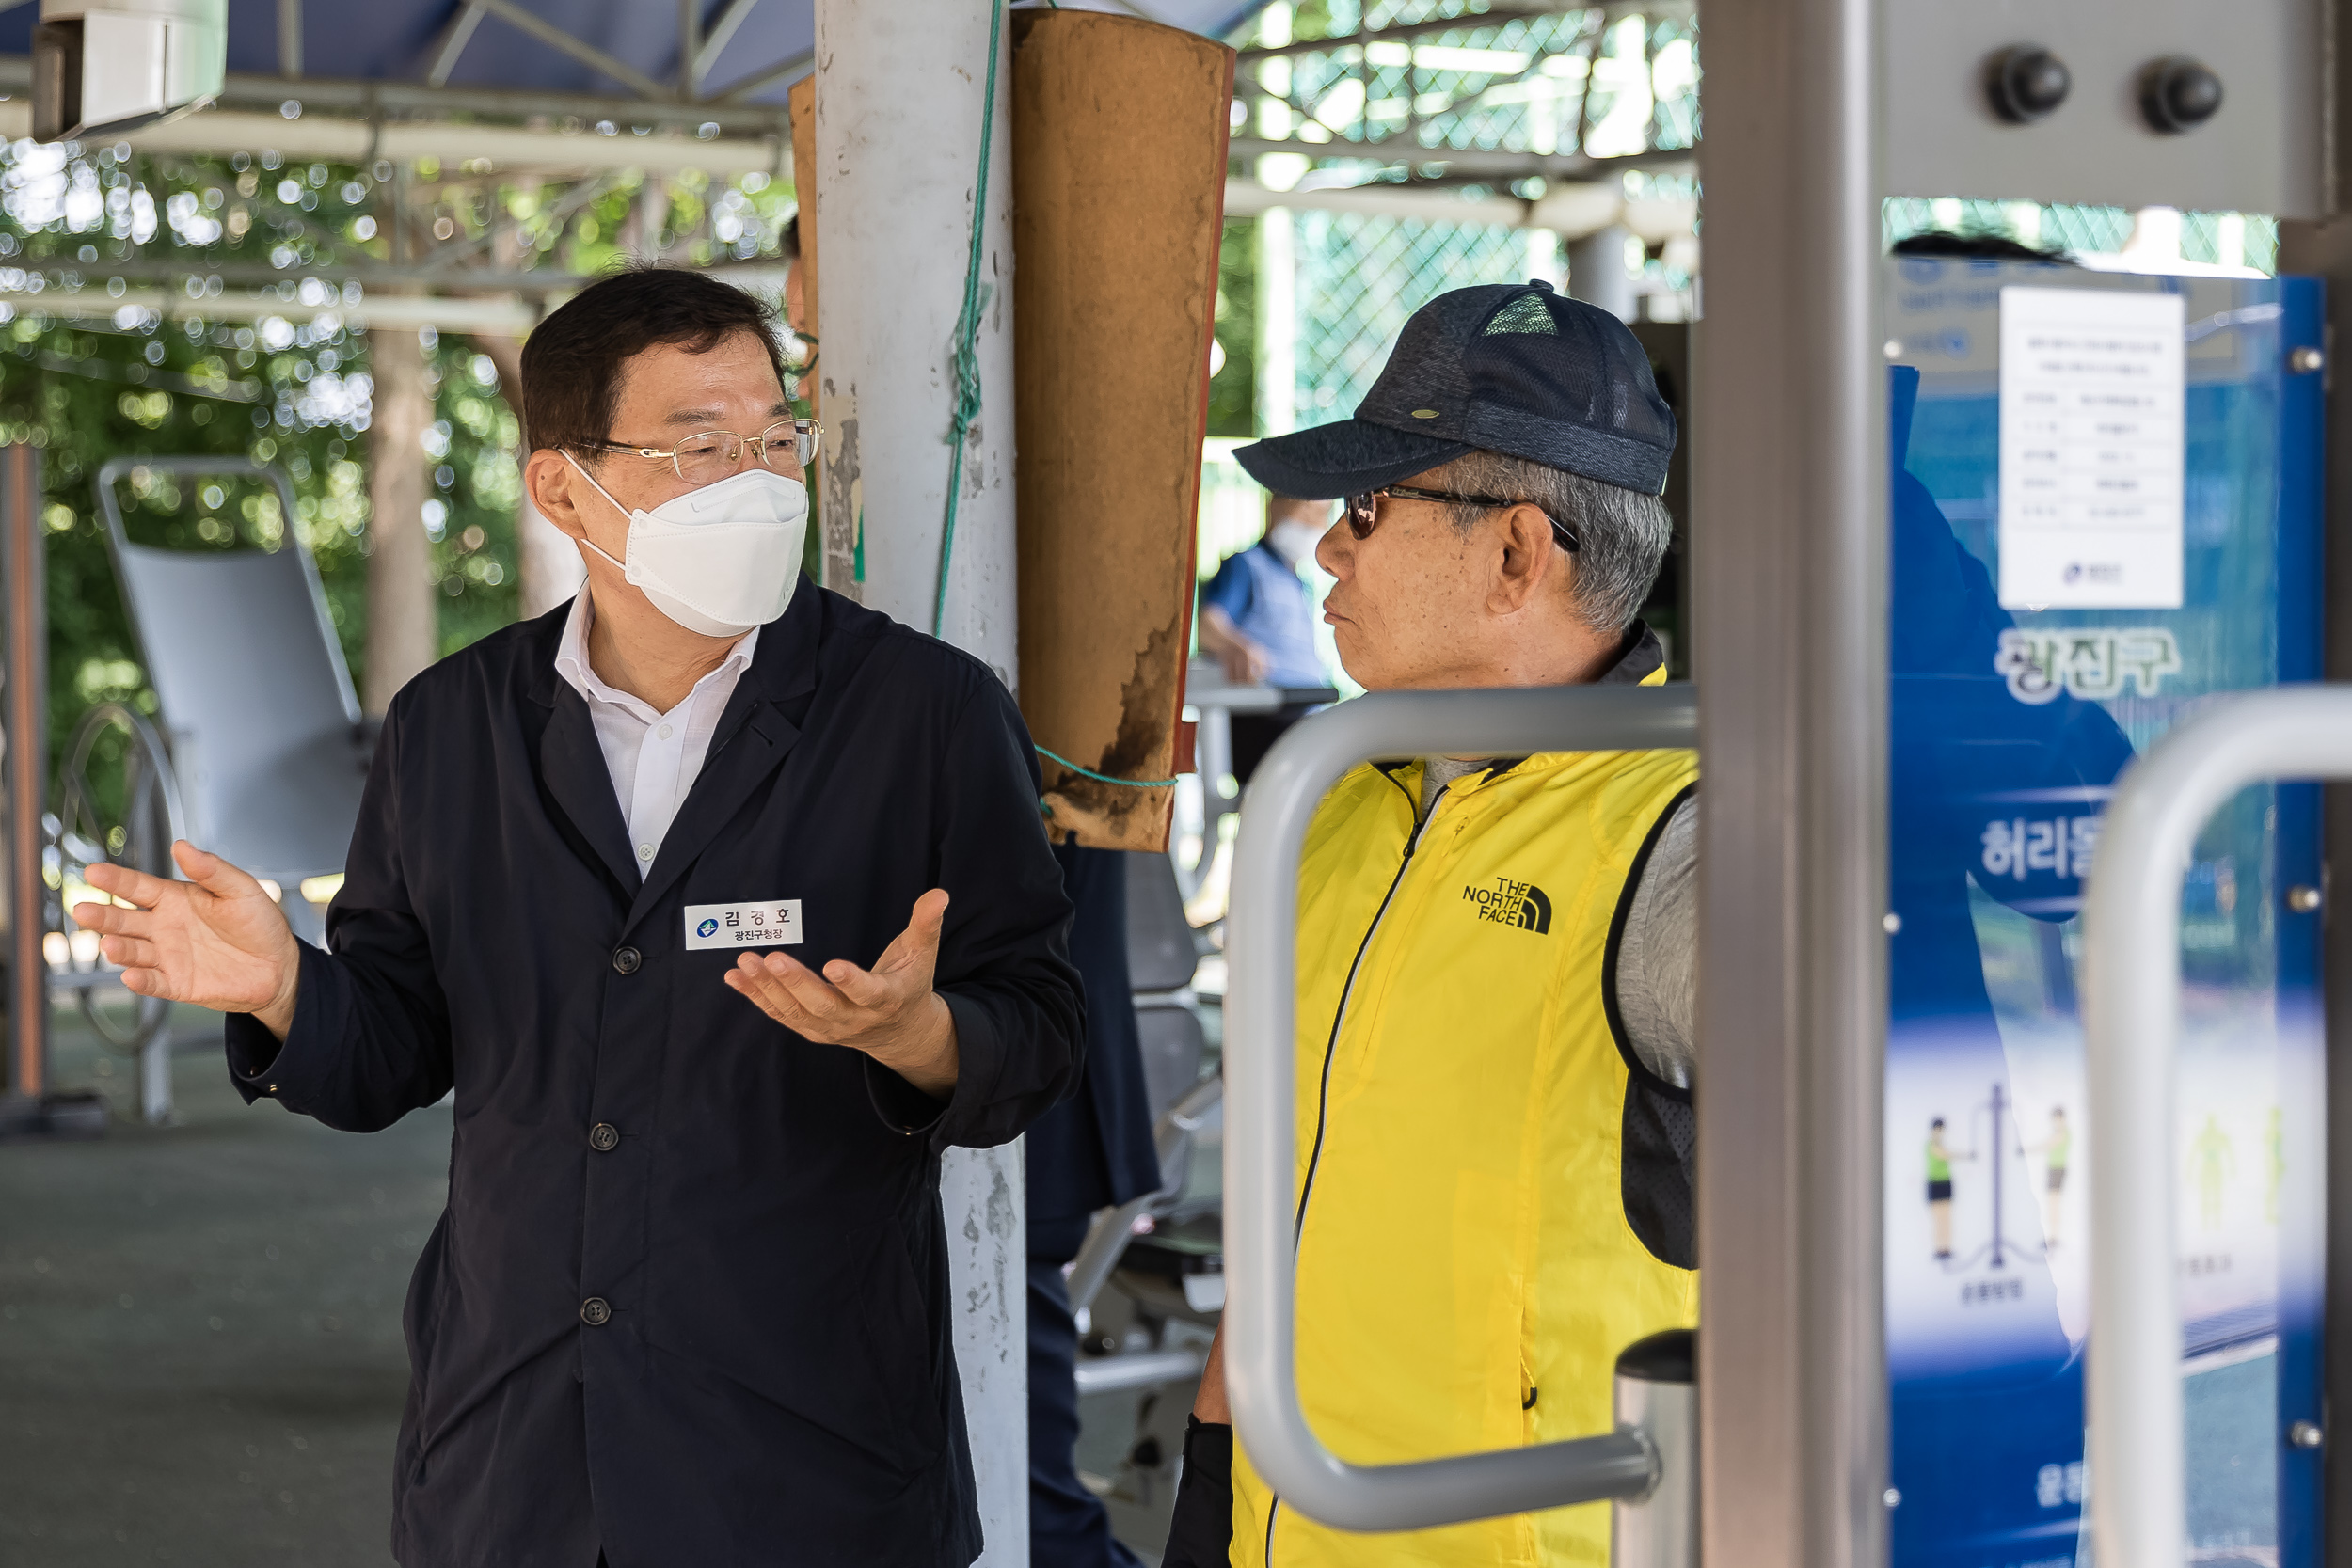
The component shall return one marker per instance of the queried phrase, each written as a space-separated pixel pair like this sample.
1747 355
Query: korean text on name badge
774 923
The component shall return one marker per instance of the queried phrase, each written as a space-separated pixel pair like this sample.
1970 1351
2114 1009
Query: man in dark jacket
723 905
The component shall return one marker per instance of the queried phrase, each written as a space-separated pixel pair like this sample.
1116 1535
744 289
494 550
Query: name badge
774 924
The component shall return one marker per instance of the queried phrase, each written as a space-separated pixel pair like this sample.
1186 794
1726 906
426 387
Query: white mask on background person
719 560
1293 540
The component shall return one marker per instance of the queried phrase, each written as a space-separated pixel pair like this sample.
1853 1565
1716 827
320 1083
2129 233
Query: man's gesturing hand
890 1011
216 940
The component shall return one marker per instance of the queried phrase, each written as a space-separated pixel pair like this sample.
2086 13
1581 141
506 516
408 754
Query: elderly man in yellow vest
1494 953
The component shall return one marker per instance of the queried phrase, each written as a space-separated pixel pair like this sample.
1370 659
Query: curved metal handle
2130 999
1259 1143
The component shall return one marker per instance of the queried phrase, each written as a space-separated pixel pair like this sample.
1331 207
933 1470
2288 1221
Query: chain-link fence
1358 281
2209 239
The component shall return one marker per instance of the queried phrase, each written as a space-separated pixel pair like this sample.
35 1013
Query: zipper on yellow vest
1330 1048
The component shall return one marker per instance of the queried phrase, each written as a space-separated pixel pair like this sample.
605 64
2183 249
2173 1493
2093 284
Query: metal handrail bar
1261 1366
2131 1000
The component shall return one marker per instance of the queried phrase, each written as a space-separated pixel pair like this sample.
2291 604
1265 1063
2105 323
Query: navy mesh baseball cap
1513 368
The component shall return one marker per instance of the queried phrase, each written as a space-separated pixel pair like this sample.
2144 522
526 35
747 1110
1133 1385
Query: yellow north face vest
1493 1193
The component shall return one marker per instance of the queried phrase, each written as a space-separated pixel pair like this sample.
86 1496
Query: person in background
1496 963
796 314
800 381
1258 621
1093 1151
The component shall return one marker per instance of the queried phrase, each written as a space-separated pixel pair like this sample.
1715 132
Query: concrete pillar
641 232
547 569
403 615
898 118
1596 271
898 145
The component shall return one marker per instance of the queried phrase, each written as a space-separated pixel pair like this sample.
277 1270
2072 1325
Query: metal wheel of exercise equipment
121 809
1191 837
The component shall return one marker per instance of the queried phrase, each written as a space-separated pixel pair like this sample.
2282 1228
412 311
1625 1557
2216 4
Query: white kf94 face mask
719 560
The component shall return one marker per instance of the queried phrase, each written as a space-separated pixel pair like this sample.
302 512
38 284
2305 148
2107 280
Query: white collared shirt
654 757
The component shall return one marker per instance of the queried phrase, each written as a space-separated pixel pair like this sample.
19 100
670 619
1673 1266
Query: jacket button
595 1311
604 1137
625 960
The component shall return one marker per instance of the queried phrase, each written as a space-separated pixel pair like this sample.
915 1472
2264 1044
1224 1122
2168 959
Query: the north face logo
1509 903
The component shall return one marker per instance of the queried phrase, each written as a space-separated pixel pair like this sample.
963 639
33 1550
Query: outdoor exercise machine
257 750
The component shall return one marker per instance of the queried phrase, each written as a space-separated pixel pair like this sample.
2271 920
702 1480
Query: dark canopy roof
401 40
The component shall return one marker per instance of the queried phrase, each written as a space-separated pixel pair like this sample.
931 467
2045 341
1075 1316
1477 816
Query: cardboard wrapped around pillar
1119 162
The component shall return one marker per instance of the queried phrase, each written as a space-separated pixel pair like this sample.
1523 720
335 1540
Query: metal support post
2322 250
896 176
1597 272
31 1108
25 702
1658 1397
1790 549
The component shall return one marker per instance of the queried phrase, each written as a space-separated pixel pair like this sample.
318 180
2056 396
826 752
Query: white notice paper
2091 448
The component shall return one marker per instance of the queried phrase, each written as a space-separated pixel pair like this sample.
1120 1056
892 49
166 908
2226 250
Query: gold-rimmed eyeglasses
709 455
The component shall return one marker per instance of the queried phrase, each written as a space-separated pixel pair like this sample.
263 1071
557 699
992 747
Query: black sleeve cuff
1201 1533
903 1107
979 1060
252 1049
259 1062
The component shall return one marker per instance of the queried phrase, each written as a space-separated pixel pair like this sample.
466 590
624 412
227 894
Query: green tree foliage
1233 390
477 487
141 384
292 390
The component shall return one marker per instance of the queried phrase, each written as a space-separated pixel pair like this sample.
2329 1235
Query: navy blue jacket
1957 735
769 1377
1095 1148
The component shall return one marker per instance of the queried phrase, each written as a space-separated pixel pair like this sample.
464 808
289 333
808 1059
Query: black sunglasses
1363 510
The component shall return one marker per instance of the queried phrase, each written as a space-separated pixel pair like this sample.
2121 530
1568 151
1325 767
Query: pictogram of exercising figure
2055 1150
1940 1157
2275 1143
2213 1162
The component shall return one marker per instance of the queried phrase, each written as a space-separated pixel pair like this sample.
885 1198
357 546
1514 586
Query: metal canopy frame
1424 165
699 51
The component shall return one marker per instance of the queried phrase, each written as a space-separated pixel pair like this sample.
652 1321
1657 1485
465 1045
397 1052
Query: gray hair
1622 534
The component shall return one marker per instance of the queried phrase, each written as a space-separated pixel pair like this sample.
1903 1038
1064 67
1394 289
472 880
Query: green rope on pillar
967 358
1136 783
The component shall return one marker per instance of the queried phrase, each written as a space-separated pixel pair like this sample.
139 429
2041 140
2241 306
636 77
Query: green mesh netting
1360 277
1525 315
2246 239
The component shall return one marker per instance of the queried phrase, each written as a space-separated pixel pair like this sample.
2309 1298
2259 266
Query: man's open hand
890 1011
216 940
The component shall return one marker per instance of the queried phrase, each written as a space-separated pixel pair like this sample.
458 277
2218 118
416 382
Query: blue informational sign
2179 421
